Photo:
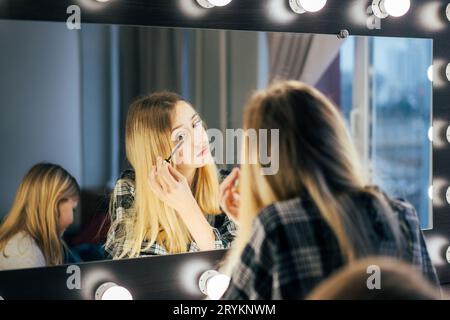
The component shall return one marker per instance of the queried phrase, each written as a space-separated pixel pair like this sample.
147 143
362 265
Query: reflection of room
115 64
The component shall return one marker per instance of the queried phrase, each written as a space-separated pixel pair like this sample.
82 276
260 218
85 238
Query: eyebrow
195 114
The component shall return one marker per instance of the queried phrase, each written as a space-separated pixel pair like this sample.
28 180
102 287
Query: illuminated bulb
395 8
430 134
448 134
447 195
112 291
213 3
213 284
430 73
302 6
447 254
430 192
447 72
102 0
447 12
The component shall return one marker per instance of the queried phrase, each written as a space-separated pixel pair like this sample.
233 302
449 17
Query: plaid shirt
123 198
292 250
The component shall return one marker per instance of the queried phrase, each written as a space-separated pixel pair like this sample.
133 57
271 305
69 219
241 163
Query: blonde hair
35 209
399 281
317 159
148 135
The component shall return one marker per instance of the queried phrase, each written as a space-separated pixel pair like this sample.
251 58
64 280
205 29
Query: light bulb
447 72
448 134
213 3
430 73
213 284
395 8
447 254
430 192
447 195
112 291
430 134
447 12
302 6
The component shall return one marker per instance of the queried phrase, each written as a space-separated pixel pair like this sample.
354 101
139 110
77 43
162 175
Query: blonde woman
316 214
31 234
161 207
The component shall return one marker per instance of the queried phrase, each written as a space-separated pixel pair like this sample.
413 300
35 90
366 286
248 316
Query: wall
39 100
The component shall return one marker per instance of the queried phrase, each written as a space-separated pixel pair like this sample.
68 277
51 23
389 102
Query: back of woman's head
35 209
317 160
376 278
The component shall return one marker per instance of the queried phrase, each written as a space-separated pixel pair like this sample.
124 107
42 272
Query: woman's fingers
175 174
236 198
154 185
229 181
159 176
229 202
167 177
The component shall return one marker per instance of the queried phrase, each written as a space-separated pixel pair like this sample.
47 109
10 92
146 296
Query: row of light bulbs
381 8
212 284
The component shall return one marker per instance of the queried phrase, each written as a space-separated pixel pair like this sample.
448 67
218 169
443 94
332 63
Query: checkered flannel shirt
124 193
292 250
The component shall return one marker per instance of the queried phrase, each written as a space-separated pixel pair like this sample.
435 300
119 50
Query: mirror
64 96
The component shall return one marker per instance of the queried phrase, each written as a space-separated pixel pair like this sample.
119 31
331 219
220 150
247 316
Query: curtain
303 57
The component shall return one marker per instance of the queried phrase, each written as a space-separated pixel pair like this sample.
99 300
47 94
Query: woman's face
66 209
194 152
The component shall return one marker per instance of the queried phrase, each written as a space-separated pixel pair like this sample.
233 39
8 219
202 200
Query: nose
200 137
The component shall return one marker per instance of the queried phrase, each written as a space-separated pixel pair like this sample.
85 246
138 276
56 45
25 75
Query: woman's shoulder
125 185
127 178
21 251
128 174
292 211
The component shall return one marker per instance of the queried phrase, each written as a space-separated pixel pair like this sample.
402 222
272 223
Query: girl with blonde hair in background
31 233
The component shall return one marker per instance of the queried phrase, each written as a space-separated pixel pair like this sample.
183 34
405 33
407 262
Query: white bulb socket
112 291
213 284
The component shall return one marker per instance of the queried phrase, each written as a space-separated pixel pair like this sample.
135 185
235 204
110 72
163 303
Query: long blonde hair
35 209
316 159
148 135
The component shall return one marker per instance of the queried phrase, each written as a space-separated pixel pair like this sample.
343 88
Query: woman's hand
229 198
171 187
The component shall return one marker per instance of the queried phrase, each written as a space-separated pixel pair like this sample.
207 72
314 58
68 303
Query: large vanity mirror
64 96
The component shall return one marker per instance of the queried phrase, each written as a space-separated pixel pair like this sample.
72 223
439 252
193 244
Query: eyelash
196 123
